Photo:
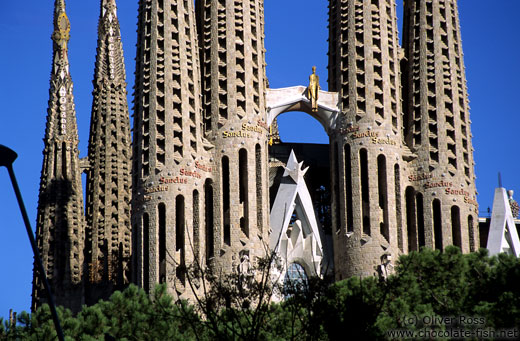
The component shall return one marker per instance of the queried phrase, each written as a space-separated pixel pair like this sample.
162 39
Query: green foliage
427 283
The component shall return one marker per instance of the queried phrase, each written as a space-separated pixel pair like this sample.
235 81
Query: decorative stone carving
386 268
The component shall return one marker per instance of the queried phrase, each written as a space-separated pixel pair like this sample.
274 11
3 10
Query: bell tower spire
60 221
108 235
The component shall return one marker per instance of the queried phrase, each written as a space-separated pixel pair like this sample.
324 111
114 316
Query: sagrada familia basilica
202 176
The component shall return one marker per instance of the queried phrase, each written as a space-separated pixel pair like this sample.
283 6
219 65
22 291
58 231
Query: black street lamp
7 157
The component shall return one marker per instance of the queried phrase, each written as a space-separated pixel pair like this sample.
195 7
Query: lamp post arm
7 157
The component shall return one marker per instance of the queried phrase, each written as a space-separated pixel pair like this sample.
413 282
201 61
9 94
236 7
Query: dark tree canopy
427 284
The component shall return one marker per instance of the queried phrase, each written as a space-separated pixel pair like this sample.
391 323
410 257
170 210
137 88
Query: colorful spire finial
61 33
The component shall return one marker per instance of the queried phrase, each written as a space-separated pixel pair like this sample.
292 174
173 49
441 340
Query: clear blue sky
296 39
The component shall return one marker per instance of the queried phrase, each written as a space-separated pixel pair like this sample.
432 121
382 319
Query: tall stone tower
60 224
108 233
437 129
171 164
233 88
400 155
367 146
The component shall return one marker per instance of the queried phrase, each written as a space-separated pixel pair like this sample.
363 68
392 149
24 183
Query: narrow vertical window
348 187
437 224
337 210
455 226
161 213
64 160
180 237
196 226
365 194
208 208
243 191
382 186
410 219
55 165
398 209
225 197
420 220
259 184
471 233
146 252
134 255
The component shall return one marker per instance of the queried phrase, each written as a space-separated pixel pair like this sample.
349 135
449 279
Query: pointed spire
60 222
62 116
61 34
110 61
109 156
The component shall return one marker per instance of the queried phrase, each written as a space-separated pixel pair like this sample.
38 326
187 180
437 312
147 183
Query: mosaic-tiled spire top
109 175
110 60
60 222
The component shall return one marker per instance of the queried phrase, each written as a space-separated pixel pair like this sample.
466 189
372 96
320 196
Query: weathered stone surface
367 145
171 164
108 233
233 91
437 125
60 225
401 164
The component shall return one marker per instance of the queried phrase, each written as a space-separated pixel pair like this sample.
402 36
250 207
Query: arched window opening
196 226
161 214
146 252
64 160
208 209
410 219
180 238
226 200
471 233
455 226
348 185
243 191
420 220
135 254
365 190
56 158
382 185
398 209
259 187
295 280
437 224
337 200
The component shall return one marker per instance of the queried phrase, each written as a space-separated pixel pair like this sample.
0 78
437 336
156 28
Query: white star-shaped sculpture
294 169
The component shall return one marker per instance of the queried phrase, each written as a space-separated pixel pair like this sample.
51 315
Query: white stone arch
295 98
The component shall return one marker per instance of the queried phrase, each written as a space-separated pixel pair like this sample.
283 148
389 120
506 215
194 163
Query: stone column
367 146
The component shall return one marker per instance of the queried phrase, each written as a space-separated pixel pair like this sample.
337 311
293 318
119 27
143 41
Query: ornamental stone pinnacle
294 169
60 223
108 233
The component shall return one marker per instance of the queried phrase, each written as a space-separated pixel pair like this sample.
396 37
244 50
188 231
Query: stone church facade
196 183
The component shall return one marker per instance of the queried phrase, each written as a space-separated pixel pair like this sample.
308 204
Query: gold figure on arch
313 89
